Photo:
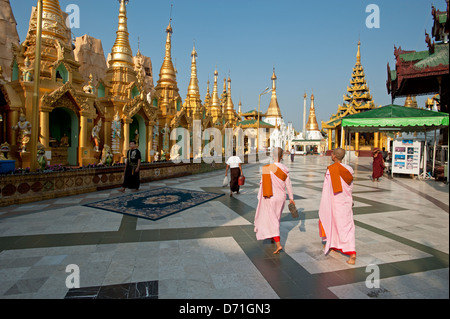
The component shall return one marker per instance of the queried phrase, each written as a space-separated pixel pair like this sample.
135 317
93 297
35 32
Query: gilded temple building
66 111
357 99
91 106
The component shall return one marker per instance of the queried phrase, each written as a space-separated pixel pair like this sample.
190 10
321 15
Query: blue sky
311 44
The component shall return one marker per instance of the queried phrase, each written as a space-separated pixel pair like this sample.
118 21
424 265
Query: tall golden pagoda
274 109
215 109
312 125
273 115
121 74
166 95
229 112
193 104
358 99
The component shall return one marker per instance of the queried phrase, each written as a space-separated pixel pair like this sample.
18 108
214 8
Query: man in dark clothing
131 178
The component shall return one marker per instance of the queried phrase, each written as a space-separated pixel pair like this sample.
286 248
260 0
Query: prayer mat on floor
156 203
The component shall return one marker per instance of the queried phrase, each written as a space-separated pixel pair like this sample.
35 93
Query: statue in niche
107 156
116 127
95 135
89 88
64 142
165 131
24 128
41 158
27 76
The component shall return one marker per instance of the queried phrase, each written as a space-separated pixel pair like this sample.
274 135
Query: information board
406 157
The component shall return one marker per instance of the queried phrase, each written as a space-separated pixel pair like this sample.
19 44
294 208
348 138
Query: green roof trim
427 59
396 116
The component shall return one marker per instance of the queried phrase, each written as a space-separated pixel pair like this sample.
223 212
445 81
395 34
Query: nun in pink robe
270 207
336 224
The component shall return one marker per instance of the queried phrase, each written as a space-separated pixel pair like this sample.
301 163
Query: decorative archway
64 126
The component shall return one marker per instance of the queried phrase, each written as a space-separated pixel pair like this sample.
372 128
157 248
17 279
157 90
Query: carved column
126 135
45 126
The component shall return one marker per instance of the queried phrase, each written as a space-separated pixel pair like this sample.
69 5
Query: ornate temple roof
423 72
358 98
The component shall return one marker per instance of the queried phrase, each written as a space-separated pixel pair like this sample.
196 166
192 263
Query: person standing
235 167
131 178
292 153
336 224
272 198
378 164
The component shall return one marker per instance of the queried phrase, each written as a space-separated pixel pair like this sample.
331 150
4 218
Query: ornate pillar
376 139
336 138
357 143
83 131
126 136
45 127
330 142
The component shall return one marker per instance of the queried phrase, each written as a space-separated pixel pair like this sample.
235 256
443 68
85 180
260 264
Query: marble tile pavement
210 251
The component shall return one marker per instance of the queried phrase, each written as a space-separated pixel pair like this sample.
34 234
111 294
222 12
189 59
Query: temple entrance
138 132
64 128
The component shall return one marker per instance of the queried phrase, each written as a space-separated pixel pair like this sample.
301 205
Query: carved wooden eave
66 96
131 108
207 122
178 119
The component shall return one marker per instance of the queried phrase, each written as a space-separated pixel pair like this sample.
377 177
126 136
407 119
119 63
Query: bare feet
279 248
352 259
122 190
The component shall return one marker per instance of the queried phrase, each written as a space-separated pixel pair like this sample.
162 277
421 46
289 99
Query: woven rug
156 203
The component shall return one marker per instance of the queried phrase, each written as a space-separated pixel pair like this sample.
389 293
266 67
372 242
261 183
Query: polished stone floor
210 251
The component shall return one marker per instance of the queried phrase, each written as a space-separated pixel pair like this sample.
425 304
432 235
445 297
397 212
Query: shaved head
339 153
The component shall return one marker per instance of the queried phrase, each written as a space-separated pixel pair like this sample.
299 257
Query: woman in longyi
271 199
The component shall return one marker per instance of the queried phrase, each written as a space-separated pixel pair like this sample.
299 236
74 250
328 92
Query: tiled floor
210 251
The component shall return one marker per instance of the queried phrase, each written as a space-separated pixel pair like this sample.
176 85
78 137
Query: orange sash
267 179
336 171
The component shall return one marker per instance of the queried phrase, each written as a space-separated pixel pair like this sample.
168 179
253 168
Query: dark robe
378 166
234 179
131 179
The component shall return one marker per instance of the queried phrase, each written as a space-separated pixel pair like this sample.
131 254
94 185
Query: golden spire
215 103
167 75
274 109
193 89
215 96
207 102
229 105
358 54
193 102
312 121
121 54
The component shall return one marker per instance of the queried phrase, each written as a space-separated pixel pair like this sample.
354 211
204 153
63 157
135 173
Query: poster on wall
406 157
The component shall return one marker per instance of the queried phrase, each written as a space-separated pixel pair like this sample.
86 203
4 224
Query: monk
271 199
336 225
378 164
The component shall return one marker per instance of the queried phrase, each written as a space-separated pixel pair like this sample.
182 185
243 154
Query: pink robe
336 216
268 212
